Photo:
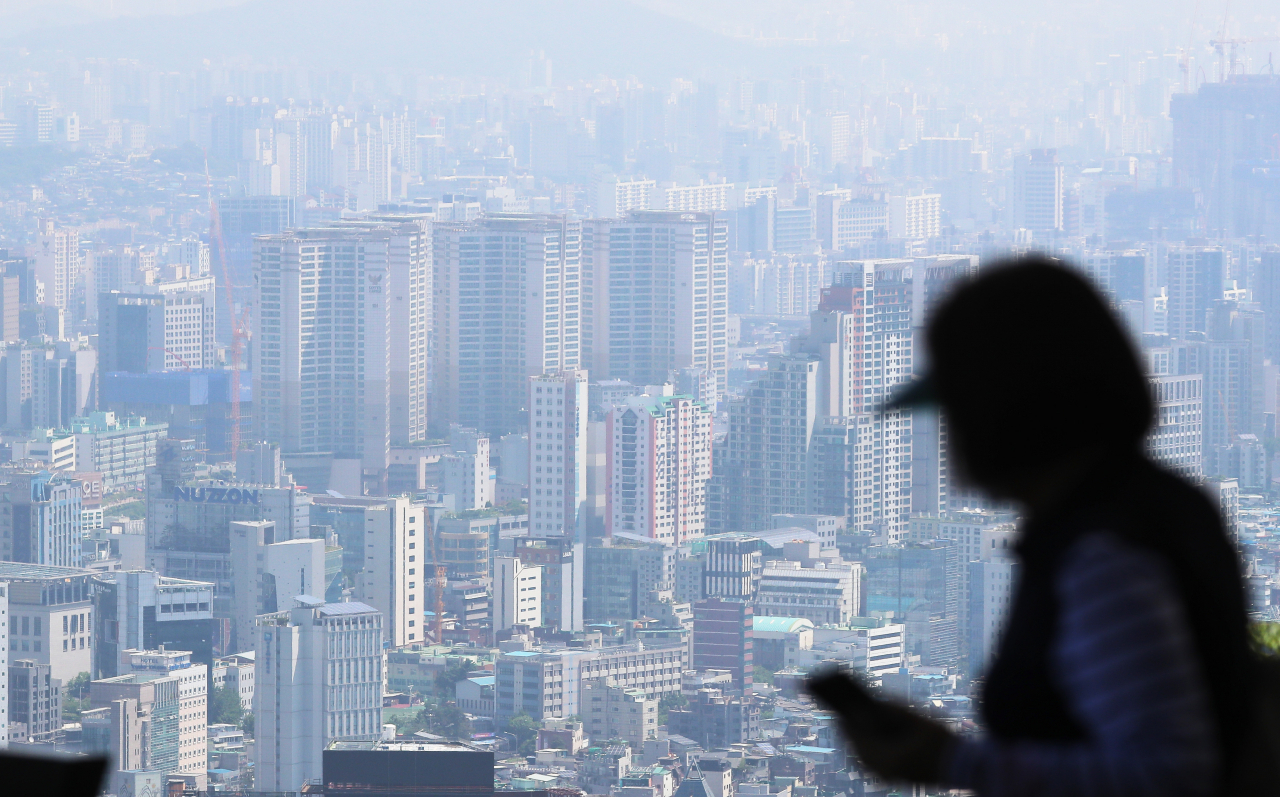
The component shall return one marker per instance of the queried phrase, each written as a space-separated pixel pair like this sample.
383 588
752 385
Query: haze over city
439 398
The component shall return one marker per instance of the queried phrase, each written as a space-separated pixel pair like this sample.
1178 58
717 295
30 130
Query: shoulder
1102 562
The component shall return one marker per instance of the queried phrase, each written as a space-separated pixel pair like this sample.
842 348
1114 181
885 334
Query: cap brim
919 392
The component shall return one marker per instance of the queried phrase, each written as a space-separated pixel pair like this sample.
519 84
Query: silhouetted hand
895 742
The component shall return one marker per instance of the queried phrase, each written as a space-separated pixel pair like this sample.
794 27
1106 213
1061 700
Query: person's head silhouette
1034 375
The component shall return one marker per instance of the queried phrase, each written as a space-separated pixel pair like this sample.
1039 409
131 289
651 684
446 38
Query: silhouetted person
1124 664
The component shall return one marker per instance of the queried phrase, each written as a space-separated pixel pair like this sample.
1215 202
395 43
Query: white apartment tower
658 450
517 593
327 308
192 682
396 561
862 335
509 304
190 304
467 474
56 256
915 217
558 454
4 664
661 297
409 288
318 678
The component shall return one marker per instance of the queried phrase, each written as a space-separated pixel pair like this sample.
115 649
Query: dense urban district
455 436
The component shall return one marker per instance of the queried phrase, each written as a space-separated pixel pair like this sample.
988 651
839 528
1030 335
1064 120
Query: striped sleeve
1124 659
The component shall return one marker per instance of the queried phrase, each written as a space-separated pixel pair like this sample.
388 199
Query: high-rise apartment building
467 474
1265 286
660 301
561 560
862 334
558 454
282 569
318 678
192 682
917 216
762 470
615 197
56 255
391 558
1196 276
722 632
659 461
328 301
701 198
1037 201
509 301
843 219
920 583
161 327
1176 441
1214 158
409 282
43 525
517 593
243 218
143 610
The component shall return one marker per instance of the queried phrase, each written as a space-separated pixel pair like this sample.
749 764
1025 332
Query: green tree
525 729
667 702
447 679
224 706
449 721
246 723
1266 638
75 697
762 675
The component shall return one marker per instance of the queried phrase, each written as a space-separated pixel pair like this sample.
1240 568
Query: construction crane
441 581
238 331
1184 53
1228 51
185 365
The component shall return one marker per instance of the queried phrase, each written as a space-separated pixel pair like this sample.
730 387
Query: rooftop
781 625
414 746
21 570
354 607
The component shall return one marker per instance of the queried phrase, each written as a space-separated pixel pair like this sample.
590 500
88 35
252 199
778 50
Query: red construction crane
237 323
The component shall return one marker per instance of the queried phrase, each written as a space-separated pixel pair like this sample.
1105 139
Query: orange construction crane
237 323
441 581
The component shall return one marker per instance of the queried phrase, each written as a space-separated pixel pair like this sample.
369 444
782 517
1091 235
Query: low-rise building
826 593
475 695
613 712
777 639
236 672
548 683
51 617
120 448
714 720
35 702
